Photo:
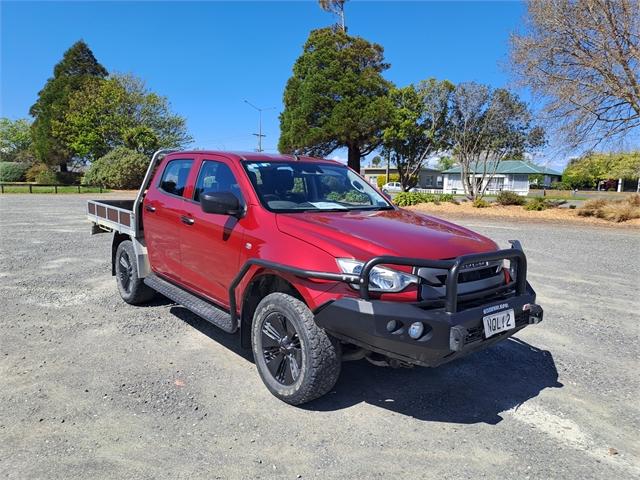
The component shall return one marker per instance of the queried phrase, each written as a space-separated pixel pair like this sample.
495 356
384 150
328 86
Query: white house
511 175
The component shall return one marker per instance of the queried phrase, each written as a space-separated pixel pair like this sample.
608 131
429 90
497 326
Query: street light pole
259 134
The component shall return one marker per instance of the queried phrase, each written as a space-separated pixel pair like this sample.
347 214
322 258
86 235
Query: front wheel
131 287
297 360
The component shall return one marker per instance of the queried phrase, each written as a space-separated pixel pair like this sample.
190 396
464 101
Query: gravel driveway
91 387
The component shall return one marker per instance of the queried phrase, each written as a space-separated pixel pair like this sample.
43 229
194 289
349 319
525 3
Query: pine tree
78 64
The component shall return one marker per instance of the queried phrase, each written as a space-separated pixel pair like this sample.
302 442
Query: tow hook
535 312
457 336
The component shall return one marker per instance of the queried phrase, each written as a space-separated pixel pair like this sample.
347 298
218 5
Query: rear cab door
163 213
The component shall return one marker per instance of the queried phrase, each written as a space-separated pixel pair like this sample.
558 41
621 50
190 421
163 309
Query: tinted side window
174 177
215 177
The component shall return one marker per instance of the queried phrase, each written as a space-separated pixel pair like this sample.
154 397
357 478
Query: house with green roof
510 175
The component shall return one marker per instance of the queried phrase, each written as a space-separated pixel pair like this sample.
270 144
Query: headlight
381 279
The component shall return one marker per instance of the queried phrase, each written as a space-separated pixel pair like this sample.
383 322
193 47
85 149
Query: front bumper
448 335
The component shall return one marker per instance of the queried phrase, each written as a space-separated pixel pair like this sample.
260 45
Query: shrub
612 210
34 171
538 204
12 171
481 203
120 168
405 199
561 186
572 207
510 198
46 177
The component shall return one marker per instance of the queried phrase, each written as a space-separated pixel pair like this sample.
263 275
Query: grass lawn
46 189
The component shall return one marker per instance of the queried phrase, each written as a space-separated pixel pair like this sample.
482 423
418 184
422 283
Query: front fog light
416 330
392 325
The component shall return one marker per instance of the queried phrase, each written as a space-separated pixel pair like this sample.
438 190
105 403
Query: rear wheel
296 359
131 287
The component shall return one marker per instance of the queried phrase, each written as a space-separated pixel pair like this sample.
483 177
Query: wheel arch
139 248
260 286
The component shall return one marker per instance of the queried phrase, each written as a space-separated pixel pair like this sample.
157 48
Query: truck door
162 212
210 244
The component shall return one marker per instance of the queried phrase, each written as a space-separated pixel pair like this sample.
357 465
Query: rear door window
175 175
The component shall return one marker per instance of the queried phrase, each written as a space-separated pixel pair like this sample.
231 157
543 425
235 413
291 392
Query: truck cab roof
256 156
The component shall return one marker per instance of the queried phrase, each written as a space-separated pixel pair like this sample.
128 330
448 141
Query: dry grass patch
612 210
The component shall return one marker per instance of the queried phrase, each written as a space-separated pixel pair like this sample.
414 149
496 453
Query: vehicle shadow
474 389
230 341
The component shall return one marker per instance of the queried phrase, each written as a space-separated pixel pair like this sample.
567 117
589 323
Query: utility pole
259 134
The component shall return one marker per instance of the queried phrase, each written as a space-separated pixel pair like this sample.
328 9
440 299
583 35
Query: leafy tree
445 162
376 161
418 126
589 170
582 58
15 140
337 8
77 66
486 127
336 97
119 111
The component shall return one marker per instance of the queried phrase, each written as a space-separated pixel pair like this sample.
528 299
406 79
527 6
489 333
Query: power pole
260 135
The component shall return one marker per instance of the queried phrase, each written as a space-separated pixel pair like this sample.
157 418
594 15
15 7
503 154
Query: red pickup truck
312 265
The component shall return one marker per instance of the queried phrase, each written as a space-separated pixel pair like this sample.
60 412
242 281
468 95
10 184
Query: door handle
149 208
187 220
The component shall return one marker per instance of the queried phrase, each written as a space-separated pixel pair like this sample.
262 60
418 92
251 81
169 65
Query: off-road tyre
319 354
131 287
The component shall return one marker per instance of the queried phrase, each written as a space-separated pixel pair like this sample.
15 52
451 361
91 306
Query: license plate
499 322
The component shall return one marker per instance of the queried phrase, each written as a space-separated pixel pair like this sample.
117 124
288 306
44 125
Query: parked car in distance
395 187
312 266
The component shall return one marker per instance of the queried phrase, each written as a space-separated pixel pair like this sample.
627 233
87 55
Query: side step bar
200 307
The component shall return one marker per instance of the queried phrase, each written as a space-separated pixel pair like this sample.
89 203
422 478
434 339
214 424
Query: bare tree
582 58
486 127
337 8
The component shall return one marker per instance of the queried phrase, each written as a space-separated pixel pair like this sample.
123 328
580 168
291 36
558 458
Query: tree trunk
63 166
354 157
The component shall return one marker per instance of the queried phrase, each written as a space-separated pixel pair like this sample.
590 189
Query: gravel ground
94 388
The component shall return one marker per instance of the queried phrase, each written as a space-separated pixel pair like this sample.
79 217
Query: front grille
474 275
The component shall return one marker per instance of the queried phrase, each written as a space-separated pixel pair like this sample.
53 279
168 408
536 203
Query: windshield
307 186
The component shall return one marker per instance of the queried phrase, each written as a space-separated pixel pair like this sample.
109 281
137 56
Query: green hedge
12 171
405 199
121 168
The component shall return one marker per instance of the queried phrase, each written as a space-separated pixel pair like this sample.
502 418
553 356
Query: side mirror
222 203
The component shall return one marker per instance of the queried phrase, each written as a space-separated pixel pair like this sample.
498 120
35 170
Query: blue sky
207 57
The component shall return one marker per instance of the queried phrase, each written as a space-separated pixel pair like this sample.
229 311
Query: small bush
481 203
121 168
34 171
612 210
537 204
561 186
405 199
510 198
12 171
46 177
572 207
